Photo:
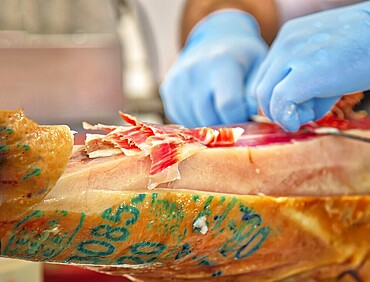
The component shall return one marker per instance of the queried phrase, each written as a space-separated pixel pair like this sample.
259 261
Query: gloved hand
312 63
206 85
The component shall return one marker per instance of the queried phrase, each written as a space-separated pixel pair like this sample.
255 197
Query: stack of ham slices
244 203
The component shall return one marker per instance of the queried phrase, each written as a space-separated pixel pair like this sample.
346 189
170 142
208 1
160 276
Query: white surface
160 23
12 270
60 60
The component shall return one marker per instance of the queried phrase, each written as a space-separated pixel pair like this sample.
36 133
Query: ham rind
32 158
275 206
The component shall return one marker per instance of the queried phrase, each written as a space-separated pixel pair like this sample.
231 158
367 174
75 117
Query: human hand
312 63
206 85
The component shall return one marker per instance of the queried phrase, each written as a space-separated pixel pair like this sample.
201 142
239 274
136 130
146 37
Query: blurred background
68 61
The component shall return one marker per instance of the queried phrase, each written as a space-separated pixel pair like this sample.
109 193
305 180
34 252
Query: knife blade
320 130
336 132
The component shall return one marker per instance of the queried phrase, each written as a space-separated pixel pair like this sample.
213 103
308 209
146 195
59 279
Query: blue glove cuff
226 23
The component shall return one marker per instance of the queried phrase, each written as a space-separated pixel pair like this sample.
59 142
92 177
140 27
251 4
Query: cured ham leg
267 206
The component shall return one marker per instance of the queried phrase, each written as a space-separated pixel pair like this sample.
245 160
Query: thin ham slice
166 146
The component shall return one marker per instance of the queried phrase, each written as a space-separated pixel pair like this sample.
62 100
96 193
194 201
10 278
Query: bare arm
263 10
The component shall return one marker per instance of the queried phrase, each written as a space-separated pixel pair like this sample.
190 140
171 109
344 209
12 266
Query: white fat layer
90 137
326 130
237 132
104 153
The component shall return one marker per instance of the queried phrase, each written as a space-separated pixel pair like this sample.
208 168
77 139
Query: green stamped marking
114 241
116 217
154 197
227 210
253 244
203 260
35 214
206 210
185 250
222 200
27 242
139 199
232 225
195 198
63 212
7 130
216 274
182 236
247 237
35 172
25 147
4 148
148 248
169 215
96 248
116 234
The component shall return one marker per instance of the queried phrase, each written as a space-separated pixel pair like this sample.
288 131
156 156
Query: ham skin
32 158
275 206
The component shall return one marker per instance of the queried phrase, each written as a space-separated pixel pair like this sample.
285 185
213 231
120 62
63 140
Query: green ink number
227 210
116 234
22 241
185 250
250 222
108 214
138 199
238 237
48 252
91 248
263 233
148 248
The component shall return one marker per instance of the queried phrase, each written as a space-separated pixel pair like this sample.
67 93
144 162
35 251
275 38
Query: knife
320 130
336 132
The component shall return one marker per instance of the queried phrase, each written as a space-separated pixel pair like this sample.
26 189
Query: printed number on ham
167 146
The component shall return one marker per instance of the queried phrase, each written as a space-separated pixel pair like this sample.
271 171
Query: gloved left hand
312 63
206 85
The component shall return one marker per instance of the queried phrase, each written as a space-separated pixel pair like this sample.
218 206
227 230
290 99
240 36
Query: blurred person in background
228 68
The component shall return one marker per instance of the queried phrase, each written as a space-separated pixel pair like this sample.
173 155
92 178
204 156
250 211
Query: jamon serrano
251 203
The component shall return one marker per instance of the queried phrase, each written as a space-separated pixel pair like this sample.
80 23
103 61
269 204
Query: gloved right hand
208 81
313 62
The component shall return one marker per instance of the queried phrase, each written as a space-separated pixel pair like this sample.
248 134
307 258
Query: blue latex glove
312 63
206 85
